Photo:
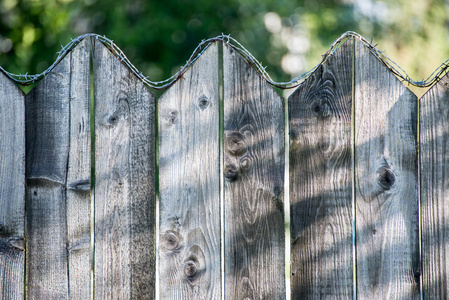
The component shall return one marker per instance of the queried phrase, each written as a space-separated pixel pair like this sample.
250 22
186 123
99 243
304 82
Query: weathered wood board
386 182
321 181
47 151
78 203
12 189
125 171
253 154
434 162
190 265
58 181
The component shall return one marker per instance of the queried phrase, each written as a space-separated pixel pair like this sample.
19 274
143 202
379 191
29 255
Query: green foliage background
159 36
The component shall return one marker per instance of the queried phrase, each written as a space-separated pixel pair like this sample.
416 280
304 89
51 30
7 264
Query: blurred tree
31 33
289 37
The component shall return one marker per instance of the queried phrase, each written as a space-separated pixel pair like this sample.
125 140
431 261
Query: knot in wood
112 120
320 107
17 242
231 172
235 143
121 112
172 117
80 185
190 268
386 178
171 241
203 102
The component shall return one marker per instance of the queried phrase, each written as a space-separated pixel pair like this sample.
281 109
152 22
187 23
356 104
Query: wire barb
234 44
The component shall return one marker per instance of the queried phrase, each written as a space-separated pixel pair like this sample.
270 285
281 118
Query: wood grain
321 181
78 175
386 182
434 165
47 151
189 252
58 179
125 173
12 189
253 156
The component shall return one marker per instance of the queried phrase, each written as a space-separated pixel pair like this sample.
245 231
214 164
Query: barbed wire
26 79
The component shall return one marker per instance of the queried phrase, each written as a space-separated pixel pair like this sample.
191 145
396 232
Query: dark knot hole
386 178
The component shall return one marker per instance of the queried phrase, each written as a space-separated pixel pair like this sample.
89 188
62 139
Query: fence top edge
26 79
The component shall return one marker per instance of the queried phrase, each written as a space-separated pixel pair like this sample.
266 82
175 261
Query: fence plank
47 145
190 265
254 183
124 181
434 142
12 189
78 175
321 181
386 182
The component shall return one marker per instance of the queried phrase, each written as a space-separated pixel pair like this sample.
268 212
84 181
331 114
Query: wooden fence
366 186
